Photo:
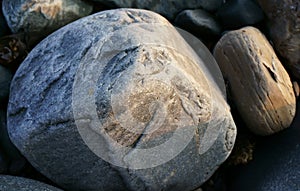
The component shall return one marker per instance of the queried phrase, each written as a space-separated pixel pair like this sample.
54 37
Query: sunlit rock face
119 101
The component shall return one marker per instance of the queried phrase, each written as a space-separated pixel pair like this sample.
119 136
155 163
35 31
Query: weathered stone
276 164
13 183
198 22
5 79
39 18
168 9
284 16
259 84
239 13
143 74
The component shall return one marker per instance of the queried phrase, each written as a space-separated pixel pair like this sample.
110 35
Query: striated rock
5 79
168 9
276 164
12 183
284 16
239 13
39 18
259 84
198 22
126 106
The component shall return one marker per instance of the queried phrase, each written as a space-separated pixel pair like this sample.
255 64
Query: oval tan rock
259 84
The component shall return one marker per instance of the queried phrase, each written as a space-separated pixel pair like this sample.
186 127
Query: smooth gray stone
133 57
168 9
275 165
5 79
12 183
198 22
239 13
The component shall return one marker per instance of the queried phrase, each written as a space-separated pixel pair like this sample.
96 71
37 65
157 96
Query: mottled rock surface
259 84
168 9
140 75
239 13
12 183
198 22
284 16
39 18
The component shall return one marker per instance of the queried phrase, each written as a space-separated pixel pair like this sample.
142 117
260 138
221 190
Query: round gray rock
12 183
41 17
169 8
84 112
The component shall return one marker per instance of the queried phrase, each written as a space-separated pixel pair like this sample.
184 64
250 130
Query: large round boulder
119 101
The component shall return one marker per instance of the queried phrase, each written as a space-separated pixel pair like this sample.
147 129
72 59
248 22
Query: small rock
276 164
198 22
239 13
145 77
13 183
260 86
284 16
5 79
12 51
39 18
168 9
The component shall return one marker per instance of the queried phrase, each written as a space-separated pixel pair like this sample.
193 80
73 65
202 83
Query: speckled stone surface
12 183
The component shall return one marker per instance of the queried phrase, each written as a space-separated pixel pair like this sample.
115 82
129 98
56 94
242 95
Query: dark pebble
198 22
239 13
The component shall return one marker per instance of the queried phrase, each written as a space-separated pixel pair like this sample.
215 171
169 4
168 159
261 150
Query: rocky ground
246 120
